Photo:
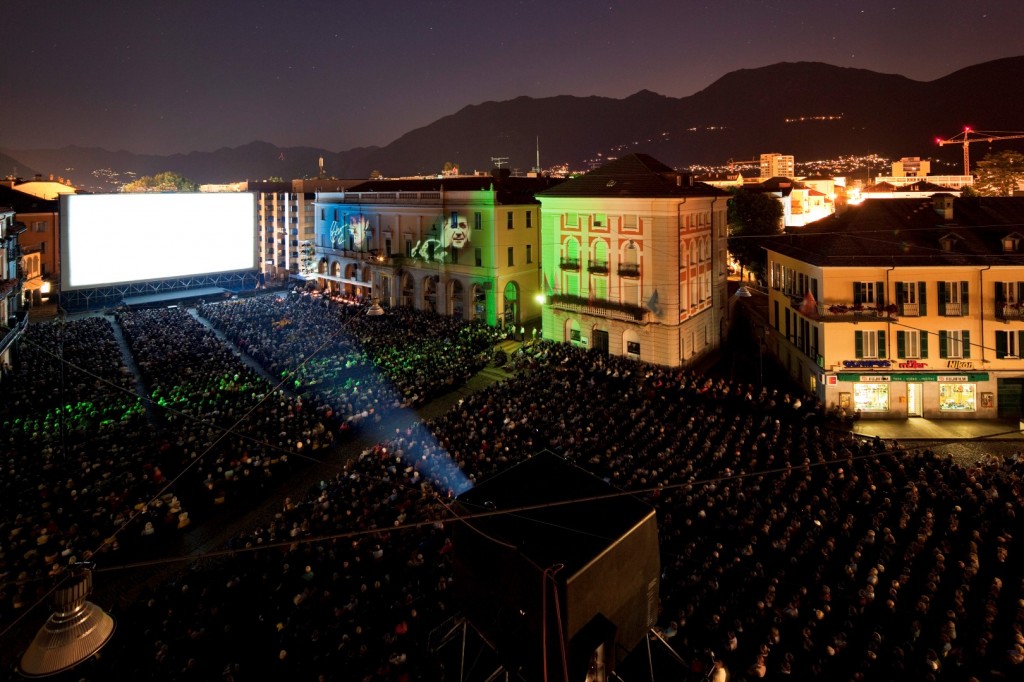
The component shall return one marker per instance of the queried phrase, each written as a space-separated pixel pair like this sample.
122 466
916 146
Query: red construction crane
968 136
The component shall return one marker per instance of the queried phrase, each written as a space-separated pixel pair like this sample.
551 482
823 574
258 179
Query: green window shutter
922 289
901 344
943 353
858 344
882 353
1000 345
1000 293
966 336
899 296
924 345
856 293
942 299
964 308
879 294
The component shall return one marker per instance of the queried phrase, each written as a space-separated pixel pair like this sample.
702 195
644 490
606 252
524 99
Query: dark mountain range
11 166
810 110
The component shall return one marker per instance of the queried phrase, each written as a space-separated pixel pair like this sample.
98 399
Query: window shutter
814 288
879 294
1020 291
1000 345
881 345
922 309
942 299
943 353
1000 293
901 344
856 293
964 310
899 298
858 344
924 345
966 336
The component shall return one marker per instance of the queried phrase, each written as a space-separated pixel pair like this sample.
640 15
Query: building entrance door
915 401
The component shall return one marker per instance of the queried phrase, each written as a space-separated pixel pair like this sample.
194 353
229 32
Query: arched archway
479 302
334 285
430 293
511 309
456 299
408 287
351 272
572 332
631 344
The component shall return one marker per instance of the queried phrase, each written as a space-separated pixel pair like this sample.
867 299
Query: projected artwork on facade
454 235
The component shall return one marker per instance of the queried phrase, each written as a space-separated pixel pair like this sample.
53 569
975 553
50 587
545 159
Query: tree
161 182
753 218
1000 174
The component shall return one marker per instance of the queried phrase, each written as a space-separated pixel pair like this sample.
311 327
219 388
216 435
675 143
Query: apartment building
634 261
905 308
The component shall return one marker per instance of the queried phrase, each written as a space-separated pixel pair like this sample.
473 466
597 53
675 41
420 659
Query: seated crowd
791 550
788 549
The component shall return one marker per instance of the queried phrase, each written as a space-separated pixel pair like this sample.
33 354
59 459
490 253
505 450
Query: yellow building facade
905 308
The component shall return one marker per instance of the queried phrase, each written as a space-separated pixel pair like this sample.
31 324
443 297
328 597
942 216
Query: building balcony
569 264
842 312
629 270
1008 311
598 268
952 309
610 309
910 309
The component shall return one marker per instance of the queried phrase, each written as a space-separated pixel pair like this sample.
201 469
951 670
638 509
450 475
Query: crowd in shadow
789 549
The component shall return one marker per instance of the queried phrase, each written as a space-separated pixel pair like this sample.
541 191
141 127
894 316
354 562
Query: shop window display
958 397
871 397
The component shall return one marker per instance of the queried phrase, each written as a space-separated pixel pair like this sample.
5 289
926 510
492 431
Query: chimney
943 205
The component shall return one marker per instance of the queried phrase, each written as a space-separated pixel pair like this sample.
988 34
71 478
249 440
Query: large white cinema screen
117 238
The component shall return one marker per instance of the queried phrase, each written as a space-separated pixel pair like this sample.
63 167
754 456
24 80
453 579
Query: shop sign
968 377
867 364
960 364
873 378
913 364
952 378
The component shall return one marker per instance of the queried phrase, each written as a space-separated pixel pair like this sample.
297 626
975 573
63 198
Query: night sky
186 75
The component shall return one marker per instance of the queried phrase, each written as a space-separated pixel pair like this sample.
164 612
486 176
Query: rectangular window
1009 344
408 248
910 297
871 397
529 219
529 253
600 220
39 227
572 220
868 293
912 344
630 222
953 298
478 221
869 344
387 246
958 397
478 257
508 220
322 214
511 257
954 343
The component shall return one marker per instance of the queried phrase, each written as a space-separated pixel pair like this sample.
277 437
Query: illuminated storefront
908 394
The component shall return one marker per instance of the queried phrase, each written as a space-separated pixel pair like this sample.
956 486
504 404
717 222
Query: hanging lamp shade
76 630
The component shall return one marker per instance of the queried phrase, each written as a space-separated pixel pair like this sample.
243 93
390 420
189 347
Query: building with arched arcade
634 258
466 246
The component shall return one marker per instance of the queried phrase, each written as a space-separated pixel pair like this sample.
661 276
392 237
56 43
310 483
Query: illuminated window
572 220
871 397
958 397
600 220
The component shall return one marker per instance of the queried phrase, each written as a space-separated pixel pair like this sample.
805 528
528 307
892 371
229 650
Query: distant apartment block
777 165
